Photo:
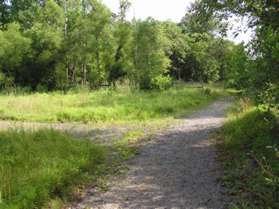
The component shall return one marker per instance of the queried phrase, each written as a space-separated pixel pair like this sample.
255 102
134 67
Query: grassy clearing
105 106
250 142
44 168
36 167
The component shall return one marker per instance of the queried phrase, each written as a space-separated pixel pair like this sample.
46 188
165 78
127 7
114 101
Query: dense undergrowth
250 142
105 106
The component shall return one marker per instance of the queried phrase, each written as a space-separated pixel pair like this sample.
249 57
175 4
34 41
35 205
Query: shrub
41 88
162 82
5 82
270 96
207 91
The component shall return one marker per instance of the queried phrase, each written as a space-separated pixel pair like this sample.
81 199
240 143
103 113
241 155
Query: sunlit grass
36 167
250 156
105 106
40 169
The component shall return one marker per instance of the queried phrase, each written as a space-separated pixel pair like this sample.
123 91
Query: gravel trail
104 135
176 169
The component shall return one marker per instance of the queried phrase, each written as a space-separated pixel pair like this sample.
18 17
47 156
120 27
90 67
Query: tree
89 44
177 51
263 18
47 36
200 19
57 44
237 72
204 33
260 12
14 49
206 65
150 59
4 13
123 36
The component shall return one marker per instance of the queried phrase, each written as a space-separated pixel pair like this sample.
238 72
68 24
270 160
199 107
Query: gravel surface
176 169
98 135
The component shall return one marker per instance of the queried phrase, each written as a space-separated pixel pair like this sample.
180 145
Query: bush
17 90
162 82
5 82
270 96
207 91
41 88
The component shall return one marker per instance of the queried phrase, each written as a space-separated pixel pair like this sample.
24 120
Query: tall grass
104 106
38 166
250 142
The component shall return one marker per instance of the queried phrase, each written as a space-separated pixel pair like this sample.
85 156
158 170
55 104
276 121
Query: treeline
257 72
59 44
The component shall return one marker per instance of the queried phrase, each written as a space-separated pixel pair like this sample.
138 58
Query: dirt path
99 135
177 169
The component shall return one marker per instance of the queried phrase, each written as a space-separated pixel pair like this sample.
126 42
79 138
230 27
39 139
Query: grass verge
249 146
48 169
36 167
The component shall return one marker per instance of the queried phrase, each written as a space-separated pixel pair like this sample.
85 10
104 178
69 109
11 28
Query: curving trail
177 169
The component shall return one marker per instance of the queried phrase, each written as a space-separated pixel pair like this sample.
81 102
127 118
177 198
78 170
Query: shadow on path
177 169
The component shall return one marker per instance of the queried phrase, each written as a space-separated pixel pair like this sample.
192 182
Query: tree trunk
65 36
84 74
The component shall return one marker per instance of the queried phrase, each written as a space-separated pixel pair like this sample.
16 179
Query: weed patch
249 147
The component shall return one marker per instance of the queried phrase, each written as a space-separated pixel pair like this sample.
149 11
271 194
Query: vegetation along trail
177 169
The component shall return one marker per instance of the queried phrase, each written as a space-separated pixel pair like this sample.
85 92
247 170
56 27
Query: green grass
250 142
45 168
36 167
48 169
105 106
